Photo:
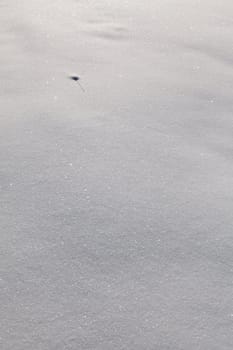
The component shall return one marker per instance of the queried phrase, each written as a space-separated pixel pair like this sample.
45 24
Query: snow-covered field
116 204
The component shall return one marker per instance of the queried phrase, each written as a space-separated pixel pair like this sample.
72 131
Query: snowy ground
116 206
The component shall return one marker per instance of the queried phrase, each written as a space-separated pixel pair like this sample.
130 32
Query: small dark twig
76 78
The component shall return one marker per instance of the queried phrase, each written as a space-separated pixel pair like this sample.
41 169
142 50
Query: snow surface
116 205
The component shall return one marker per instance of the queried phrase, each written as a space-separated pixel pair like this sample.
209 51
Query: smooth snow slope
116 205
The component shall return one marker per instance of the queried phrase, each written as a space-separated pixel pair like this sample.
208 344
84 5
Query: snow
116 203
